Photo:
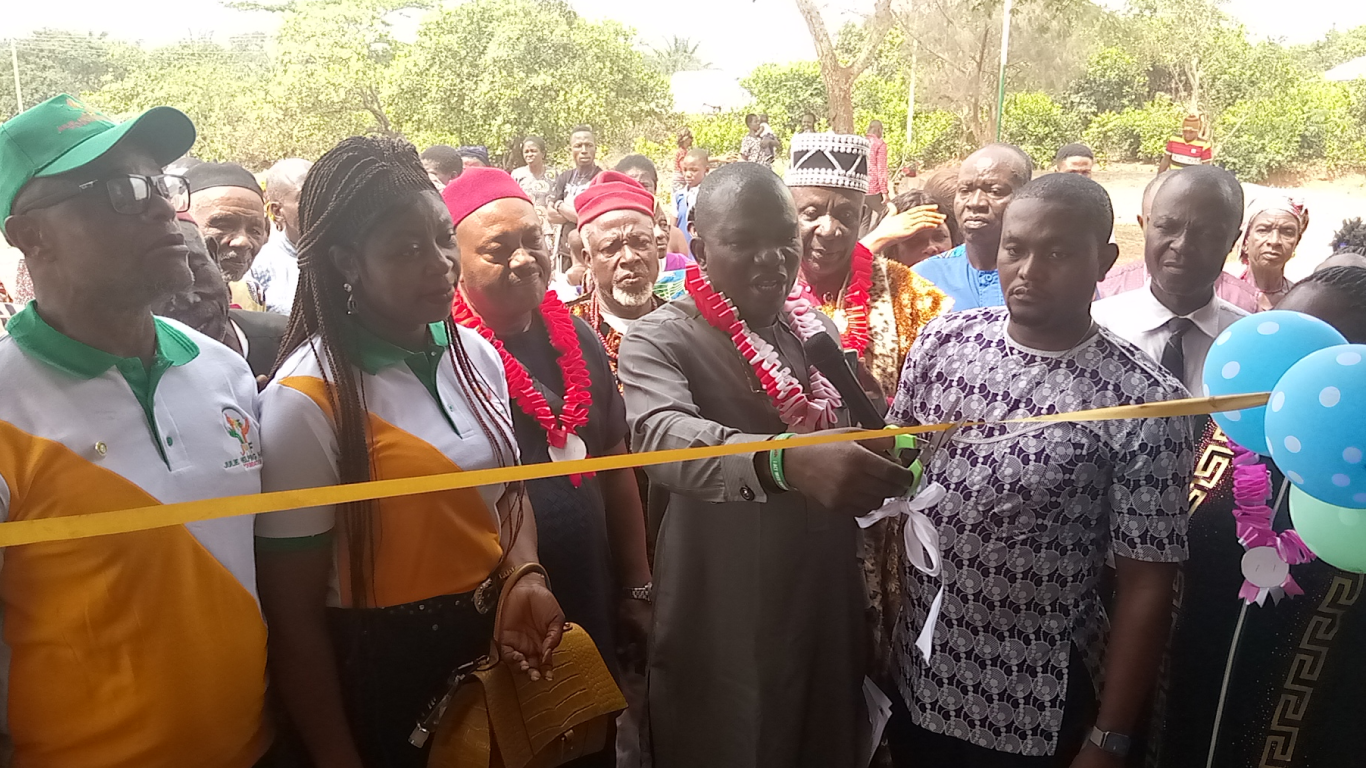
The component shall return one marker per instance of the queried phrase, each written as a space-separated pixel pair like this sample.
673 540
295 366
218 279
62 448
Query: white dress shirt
274 274
1139 318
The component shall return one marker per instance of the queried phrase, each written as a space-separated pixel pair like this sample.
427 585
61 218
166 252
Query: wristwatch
1115 743
644 594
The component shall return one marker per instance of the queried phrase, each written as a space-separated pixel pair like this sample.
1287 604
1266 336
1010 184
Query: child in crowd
695 166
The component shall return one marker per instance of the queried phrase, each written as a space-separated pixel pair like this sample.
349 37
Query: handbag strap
495 653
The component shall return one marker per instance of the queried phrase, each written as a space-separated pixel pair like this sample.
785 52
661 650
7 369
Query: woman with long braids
371 605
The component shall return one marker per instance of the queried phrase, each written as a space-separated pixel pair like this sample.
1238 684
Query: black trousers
912 745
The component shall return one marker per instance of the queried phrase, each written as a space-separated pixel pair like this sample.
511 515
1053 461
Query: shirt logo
239 427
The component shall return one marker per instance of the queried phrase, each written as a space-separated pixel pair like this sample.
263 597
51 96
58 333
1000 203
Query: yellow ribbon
162 515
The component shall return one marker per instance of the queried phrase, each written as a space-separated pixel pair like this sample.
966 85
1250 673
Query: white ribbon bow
921 539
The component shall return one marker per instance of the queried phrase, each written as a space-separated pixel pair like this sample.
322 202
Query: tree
959 48
53 62
786 91
215 86
492 71
1113 81
1335 48
678 54
838 76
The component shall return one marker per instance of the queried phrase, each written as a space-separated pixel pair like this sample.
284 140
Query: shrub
718 134
939 138
1136 134
1037 124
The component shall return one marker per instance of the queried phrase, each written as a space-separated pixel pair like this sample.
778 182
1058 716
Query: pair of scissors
931 446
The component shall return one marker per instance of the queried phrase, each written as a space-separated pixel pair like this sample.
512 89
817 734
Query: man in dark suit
204 306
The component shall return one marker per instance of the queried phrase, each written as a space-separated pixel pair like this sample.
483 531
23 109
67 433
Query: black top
571 523
264 332
1297 671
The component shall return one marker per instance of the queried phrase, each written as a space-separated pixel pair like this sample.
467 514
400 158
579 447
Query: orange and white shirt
420 423
139 649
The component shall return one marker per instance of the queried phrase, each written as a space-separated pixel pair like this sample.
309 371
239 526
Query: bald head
1196 218
987 181
284 180
726 187
1019 163
1149 192
747 239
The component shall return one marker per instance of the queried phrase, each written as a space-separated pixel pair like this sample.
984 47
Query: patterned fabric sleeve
913 374
1153 468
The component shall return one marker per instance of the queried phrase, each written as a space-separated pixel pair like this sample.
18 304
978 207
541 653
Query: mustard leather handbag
494 716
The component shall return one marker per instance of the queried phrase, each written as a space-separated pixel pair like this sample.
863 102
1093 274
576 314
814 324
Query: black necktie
1174 354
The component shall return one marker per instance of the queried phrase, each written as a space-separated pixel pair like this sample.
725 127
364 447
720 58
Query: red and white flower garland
800 411
855 302
578 396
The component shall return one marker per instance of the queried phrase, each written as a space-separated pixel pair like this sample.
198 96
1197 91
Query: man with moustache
147 648
1196 218
228 205
1031 510
203 306
757 655
616 222
987 181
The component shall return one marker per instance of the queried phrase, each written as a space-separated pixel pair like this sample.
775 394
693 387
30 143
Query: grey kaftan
757 654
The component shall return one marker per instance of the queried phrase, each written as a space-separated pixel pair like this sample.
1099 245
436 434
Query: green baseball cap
63 134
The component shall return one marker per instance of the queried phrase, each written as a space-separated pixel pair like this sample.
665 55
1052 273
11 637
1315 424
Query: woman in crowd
1283 678
1272 229
373 604
930 241
684 146
535 178
942 188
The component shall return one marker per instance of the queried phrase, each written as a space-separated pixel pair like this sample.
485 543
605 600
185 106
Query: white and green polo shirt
145 648
421 422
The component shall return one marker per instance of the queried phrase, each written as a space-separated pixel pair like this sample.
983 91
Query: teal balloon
1251 356
1337 535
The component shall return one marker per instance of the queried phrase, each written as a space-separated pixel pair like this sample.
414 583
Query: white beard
635 299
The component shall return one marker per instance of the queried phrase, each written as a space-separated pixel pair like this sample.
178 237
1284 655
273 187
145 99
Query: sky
735 35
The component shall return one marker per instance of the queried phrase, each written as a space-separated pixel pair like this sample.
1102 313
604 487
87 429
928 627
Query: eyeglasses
128 193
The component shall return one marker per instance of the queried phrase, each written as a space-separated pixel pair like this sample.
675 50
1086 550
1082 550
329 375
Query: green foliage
678 54
211 84
1136 134
939 139
1113 82
718 134
491 71
785 91
1258 137
53 62
1037 124
1335 48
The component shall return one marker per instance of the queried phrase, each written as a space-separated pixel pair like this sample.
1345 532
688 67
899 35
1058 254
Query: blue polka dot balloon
1316 425
1251 356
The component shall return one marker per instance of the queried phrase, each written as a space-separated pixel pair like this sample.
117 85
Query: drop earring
350 299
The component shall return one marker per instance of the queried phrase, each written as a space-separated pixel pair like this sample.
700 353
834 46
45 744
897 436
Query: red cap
613 191
476 188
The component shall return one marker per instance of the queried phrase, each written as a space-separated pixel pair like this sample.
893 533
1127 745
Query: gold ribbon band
162 515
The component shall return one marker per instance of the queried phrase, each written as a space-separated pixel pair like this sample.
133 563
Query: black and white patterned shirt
1030 513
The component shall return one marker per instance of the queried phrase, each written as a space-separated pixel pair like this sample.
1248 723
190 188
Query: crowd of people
183 332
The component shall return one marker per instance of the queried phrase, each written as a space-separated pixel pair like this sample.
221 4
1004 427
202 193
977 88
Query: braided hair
1351 237
345 193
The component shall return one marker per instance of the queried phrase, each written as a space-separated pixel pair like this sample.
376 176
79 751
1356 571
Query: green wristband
775 464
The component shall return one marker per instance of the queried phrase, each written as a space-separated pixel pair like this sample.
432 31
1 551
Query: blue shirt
969 287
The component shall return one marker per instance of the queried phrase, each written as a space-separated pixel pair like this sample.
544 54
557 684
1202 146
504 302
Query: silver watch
1114 743
644 594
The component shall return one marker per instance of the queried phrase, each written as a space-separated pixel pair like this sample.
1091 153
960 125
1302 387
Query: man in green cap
142 649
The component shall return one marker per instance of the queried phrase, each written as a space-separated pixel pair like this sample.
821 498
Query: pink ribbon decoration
1252 517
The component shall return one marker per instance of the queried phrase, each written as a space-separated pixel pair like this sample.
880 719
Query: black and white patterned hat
829 160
